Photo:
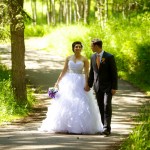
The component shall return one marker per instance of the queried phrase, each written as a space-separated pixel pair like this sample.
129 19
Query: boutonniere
103 60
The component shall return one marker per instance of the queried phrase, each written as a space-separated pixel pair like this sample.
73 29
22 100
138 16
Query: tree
48 12
77 11
87 11
34 12
17 50
61 11
53 16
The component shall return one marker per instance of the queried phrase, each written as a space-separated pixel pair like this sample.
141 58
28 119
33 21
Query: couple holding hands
83 103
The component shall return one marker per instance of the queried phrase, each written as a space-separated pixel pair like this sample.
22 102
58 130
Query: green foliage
35 31
4 73
9 109
133 51
4 34
140 75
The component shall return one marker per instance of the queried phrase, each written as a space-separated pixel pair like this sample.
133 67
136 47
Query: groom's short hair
97 42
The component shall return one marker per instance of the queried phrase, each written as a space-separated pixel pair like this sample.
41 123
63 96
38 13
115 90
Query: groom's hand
87 88
113 91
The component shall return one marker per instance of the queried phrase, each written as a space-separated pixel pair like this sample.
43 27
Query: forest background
123 25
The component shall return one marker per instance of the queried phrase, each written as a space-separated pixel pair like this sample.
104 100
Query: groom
103 77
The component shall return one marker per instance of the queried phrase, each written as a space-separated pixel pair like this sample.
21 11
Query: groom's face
93 47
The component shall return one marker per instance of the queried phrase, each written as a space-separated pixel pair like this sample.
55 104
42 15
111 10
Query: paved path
43 69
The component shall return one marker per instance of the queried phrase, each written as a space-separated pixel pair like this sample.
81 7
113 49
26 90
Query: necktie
98 61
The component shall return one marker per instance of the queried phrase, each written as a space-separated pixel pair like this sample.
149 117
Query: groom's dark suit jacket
104 78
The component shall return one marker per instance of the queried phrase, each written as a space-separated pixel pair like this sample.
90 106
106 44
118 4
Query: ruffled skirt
73 110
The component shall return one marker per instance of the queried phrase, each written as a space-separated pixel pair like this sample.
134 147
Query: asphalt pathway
42 69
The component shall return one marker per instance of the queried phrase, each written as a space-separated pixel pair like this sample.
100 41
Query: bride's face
77 48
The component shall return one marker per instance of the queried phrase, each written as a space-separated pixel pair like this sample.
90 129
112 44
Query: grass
9 109
139 139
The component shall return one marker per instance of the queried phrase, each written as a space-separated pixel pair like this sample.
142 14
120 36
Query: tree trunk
18 51
66 12
70 11
77 13
53 17
100 11
48 11
87 11
60 11
97 7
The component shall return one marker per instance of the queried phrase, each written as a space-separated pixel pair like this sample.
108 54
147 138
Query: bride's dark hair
74 43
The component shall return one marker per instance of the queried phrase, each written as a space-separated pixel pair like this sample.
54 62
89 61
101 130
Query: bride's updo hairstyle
74 44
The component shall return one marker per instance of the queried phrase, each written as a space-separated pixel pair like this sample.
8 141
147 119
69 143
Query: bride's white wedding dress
73 110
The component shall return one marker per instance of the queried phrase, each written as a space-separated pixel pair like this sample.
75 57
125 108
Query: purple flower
52 92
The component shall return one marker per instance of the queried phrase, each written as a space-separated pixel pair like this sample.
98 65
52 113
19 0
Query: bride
73 110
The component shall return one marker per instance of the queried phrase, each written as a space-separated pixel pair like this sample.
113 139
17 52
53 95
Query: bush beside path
42 70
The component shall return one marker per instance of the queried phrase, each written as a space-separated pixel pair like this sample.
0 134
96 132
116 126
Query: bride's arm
63 72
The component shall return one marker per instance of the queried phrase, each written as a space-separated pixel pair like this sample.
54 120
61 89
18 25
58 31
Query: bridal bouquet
52 92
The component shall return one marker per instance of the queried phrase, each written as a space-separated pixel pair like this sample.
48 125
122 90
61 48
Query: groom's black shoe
107 133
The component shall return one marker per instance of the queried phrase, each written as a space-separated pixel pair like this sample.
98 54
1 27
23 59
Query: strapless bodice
75 67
